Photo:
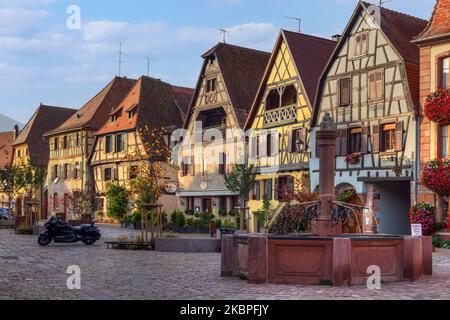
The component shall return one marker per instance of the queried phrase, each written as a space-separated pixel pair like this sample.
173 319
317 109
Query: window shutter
376 138
277 189
364 140
399 136
291 141
358 46
192 167
253 148
344 142
379 78
372 86
263 146
364 42
338 143
258 190
344 92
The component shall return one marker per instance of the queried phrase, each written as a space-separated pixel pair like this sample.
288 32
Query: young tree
117 206
241 180
81 203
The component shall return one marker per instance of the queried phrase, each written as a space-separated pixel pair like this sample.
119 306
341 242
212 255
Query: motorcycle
61 232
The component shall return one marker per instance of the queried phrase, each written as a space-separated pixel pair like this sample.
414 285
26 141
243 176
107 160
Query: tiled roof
6 149
310 54
95 112
439 24
154 102
401 29
45 118
241 69
183 97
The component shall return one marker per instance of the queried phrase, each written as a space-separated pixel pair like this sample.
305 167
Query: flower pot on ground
423 214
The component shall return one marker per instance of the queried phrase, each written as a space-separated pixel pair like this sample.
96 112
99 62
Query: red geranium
437 106
423 213
436 176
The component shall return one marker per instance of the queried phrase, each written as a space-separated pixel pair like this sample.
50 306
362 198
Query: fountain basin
342 260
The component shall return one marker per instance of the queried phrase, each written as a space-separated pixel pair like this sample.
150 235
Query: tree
117 197
8 178
80 203
241 180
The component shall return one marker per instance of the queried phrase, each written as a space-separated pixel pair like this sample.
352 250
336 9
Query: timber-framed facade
370 87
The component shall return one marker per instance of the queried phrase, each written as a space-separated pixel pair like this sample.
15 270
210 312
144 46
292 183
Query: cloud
15 20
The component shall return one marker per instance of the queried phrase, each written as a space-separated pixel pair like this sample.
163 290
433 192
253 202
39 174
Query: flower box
436 176
353 158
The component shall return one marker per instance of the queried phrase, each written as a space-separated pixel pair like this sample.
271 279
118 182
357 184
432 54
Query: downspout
417 158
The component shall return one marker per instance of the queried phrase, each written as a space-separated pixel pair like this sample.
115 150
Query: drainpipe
417 159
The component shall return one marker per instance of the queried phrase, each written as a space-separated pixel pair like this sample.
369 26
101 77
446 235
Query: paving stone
40 273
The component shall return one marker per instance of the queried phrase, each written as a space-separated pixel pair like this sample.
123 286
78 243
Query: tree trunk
242 214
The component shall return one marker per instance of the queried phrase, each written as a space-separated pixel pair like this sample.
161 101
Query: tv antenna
149 60
299 20
121 55
224 33
382 2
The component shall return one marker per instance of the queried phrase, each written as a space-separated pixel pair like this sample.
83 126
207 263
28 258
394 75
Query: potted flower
354 158
437 106
436 176
423 214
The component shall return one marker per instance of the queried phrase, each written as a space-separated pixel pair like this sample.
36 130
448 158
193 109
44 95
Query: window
66 172
55 201
185 167
55 144
19 154
120 143
376 85
108 174
273 100
355 137
344 92
257 191
108 144
268 190
75 170
223 164
78 140
131 115
298 140
211 85
65 142
54 172
388 137
445 145
133 172
289 97
114 118
269 144
444 78
361 44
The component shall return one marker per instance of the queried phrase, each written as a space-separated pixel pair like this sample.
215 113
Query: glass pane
445 73
445 141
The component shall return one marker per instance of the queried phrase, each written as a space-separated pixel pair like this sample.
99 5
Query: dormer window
131 115
114 118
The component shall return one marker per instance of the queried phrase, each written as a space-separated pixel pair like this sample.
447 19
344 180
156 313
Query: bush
229 224
205 219
423 213
190 222
178 219
189 212
117 202
222 212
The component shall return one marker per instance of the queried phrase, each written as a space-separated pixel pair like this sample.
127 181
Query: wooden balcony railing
280 116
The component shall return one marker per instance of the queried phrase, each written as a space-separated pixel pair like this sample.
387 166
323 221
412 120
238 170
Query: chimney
16 131
336 37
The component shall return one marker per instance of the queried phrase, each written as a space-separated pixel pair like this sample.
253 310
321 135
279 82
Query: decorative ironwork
341 213
311 212
284 114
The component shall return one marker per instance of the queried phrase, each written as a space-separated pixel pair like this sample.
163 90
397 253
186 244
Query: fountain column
326 140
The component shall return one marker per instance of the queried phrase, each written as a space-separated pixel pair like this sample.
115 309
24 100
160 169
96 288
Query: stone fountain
327 256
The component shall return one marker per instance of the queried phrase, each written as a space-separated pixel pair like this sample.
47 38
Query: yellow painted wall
283 73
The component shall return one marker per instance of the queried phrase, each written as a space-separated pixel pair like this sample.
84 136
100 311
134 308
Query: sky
47 56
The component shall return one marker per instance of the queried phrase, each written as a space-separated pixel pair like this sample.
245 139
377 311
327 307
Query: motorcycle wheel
44 240
89 242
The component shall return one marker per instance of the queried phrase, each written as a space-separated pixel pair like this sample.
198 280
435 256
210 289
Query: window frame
359 52
122 145
352 132
349 102
378 96
109 147
440 70
391 128
105 176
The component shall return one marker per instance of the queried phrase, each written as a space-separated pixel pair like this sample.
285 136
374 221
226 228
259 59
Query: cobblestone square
32 272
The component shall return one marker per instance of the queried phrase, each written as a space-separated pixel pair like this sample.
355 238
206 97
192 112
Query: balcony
280 116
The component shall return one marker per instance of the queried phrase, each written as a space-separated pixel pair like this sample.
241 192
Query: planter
146 246
436 176
193 230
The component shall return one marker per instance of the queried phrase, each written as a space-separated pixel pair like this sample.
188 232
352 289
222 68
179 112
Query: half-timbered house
121 147
371 88
434 44
280 119
226 87
71 144
30 148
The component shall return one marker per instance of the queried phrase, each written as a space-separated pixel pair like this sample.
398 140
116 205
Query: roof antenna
383 2
299 22
224 33
149 60
121 54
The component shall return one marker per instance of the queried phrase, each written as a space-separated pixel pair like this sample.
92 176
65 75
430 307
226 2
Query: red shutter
399 136
376 138
364 140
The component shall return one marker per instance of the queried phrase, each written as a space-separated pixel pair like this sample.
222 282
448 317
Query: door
207 205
